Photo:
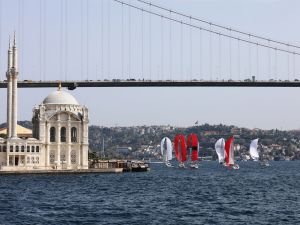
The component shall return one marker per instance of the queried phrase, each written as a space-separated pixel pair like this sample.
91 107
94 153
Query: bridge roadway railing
72 84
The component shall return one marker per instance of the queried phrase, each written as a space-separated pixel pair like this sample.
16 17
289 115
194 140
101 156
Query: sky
101 39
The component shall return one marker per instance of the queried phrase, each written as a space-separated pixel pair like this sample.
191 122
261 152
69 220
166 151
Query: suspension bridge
143 44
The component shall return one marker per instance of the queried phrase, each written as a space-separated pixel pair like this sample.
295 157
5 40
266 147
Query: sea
211 194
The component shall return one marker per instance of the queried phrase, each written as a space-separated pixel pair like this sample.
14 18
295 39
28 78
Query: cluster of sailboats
187 149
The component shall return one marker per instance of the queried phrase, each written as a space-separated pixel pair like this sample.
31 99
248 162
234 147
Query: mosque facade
59 135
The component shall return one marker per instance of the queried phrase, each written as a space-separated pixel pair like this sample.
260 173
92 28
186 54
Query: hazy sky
57 41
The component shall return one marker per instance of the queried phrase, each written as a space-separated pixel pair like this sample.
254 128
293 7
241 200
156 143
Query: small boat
193 147
139 166
229 154
180 150
166 151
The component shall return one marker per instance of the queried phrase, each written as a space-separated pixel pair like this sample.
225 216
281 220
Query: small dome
60 97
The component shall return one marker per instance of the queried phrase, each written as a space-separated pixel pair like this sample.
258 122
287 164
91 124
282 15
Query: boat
166 151
220 150
180 150
193 148
229 154
139 166
254 154
253 150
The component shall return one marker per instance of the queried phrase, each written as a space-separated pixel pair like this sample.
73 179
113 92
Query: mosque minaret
59 135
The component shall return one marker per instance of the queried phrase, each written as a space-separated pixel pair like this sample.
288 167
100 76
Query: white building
60 130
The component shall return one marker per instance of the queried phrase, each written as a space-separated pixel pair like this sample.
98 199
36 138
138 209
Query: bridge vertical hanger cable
40 35
239 59
108 39
210 54
181 52
102 39
288 63
45 40
122 41
230 56
170 47
220 57
275 64
162 47
257 62
66 40
87 40
191 50
150 44
129 41
81 38
200 54
142 43
61 42
294 67
250 58
269 61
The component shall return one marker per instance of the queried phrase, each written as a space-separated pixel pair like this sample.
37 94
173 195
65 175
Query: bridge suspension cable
172 19
218 25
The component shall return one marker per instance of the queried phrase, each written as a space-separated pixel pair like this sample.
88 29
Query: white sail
220 149
166 149
253 150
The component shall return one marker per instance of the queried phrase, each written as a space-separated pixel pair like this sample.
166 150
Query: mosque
59 135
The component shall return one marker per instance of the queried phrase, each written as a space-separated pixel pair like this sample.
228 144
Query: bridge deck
151 83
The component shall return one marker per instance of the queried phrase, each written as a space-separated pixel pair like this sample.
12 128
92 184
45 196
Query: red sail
192 146
180 148
228 148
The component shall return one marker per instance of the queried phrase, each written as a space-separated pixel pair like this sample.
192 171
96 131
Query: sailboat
253 150
229 154
255 154
220 150
166 151
180 149
193 147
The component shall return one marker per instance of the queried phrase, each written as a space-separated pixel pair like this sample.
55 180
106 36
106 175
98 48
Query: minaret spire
9 88
14 93
15 53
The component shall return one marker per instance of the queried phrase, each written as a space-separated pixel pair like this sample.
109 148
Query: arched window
17 148
32 148
0 148
4 148
22 148
73 134
28 148
11 148
63 134
37 149
52 134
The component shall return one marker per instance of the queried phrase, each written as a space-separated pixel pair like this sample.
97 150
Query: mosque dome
60 97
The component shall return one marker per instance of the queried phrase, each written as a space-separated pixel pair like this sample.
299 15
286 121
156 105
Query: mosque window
11 148
32 148
73 157
52 157
17 148
22 148
28 148
52 134
73 134
63 134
